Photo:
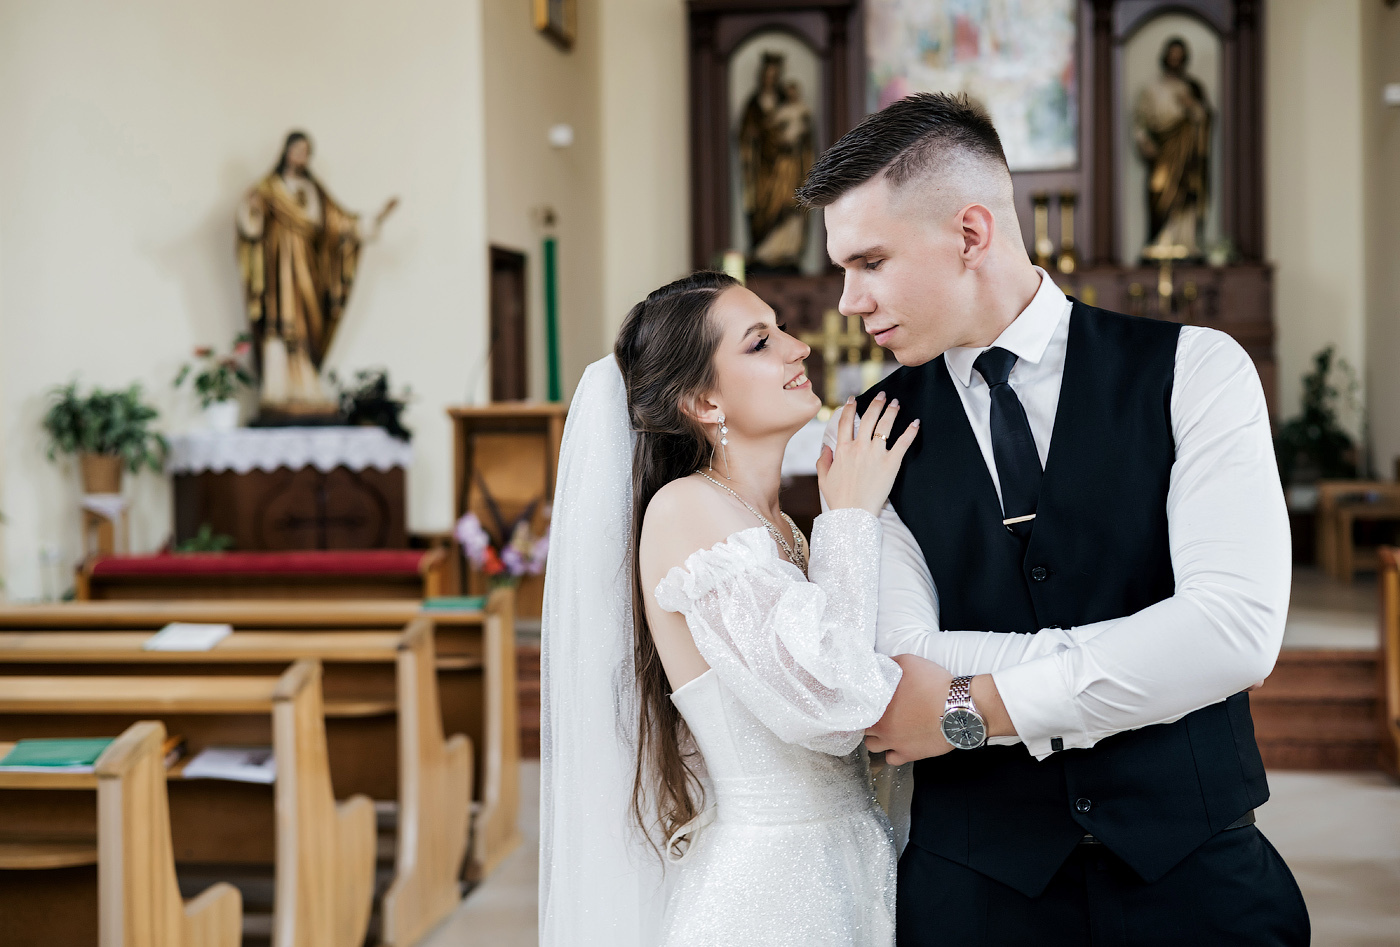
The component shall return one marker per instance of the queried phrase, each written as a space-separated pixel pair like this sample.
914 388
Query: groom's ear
976 228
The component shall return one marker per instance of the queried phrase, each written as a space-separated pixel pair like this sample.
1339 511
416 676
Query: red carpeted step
1319 710
527 669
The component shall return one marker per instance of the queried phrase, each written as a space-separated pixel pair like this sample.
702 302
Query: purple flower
514 562
539 551
473 537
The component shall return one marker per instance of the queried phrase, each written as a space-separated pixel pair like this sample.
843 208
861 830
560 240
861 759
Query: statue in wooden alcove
297 253
776 150
1171 128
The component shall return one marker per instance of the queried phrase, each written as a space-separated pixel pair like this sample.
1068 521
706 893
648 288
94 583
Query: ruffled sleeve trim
708 569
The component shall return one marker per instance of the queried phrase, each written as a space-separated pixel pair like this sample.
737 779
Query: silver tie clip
1018 519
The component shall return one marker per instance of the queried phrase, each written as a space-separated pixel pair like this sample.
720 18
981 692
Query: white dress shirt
1230 549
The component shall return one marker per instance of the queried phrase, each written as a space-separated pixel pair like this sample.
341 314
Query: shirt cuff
1042 707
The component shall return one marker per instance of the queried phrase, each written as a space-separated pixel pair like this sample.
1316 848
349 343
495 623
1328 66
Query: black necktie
1013 447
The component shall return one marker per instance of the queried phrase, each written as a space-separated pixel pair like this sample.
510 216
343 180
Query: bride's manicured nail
894 403
880 396
914 423
851 399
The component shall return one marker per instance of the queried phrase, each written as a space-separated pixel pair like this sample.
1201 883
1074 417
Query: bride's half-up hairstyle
665 350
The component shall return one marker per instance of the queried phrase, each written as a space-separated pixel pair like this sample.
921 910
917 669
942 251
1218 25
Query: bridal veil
600 883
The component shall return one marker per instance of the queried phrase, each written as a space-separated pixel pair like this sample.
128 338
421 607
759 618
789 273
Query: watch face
964 729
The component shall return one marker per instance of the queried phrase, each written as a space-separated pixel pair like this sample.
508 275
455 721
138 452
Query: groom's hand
910 729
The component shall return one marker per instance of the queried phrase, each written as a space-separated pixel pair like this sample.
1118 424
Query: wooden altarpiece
1236 298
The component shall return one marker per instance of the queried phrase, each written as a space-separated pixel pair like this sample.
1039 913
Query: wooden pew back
434 776
137 899
324 852
475 661
1389 583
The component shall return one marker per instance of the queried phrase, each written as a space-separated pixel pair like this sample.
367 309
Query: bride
708 676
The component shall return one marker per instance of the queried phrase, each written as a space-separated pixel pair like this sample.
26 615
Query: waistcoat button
1083 805
1040 573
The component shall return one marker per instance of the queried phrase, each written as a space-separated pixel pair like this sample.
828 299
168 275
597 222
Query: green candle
551 320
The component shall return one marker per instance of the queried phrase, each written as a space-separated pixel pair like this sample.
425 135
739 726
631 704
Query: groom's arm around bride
1094 513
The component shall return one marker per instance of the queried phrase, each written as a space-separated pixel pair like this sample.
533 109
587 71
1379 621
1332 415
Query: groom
1105 481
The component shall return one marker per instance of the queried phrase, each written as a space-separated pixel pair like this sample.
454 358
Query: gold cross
831 340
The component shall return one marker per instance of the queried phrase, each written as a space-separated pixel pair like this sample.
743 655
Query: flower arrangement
369 401
222 376
504 563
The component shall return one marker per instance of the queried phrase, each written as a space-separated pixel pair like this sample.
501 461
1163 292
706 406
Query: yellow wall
646 161
1381 27
130 131
531 84
1315 196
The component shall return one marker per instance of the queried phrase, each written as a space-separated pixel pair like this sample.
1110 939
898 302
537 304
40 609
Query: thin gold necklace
797 555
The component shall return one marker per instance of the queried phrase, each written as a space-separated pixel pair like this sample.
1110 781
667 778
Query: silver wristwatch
962 725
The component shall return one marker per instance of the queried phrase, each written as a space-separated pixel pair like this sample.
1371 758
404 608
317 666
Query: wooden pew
313 574
323 851
475 664
56 829
434 776
1389 582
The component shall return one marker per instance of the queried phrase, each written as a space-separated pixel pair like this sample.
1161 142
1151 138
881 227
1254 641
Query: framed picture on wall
558 20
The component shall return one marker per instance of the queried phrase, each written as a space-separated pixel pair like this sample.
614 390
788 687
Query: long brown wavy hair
665 350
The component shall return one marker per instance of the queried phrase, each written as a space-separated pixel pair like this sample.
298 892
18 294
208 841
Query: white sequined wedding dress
792 848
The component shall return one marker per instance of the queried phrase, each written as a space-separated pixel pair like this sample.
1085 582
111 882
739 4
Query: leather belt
1241 822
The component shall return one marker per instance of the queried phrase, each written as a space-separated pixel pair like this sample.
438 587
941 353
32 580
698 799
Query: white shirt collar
1026 337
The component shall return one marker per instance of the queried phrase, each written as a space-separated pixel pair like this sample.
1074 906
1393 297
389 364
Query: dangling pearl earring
724 444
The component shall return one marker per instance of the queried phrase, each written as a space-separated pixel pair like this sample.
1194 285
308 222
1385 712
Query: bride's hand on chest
860 473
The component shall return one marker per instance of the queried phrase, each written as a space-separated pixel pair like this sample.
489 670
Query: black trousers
1233 890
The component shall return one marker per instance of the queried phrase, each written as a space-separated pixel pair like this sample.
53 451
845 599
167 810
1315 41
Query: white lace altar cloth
268 448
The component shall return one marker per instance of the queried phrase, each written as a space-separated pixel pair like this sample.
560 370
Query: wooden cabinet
295 509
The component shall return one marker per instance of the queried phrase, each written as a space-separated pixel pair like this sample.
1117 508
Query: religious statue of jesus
297 252
1171 127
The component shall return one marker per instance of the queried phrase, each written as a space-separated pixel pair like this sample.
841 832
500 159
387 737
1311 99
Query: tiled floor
503 911
1340 832
1323 613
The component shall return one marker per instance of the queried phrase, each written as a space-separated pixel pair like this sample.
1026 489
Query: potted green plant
1314 445
107 430
370 402
218 381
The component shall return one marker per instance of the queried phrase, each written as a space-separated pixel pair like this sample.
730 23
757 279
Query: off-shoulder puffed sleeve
800 654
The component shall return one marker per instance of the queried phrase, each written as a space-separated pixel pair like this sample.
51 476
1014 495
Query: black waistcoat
1099 550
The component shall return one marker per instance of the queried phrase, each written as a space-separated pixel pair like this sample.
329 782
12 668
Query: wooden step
1319 710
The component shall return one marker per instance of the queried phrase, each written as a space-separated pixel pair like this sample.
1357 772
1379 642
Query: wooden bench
1341 504
370 678
323 852
1390 658
314 574
476 671
59 829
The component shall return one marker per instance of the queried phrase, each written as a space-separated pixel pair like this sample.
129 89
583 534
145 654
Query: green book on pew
455 603
55 756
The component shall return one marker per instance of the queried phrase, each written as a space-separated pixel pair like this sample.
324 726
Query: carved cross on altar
831 340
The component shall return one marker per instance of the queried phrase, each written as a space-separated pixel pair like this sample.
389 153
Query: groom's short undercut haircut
908 139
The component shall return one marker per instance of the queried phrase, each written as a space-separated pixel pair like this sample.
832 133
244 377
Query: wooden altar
285 489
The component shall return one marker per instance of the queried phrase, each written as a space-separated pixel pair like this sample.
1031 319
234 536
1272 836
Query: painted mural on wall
1016 57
